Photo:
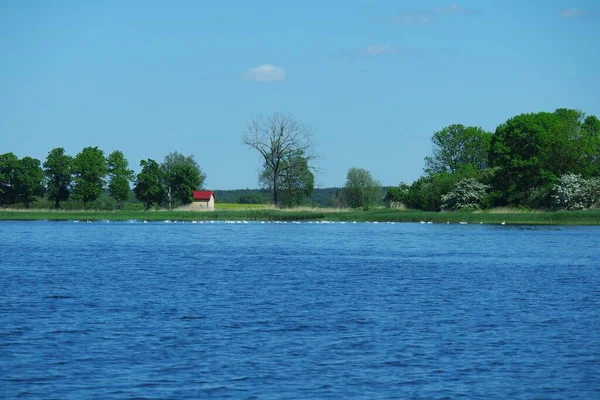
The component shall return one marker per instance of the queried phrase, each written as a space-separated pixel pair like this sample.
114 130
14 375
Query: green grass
589 217
235 206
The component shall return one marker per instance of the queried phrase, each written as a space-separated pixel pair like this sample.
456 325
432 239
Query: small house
203 199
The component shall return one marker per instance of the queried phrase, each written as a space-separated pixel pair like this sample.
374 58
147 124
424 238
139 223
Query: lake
287 311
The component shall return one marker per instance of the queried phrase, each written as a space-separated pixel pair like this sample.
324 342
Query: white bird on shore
503 223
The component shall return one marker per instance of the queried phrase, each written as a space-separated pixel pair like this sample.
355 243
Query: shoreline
587 217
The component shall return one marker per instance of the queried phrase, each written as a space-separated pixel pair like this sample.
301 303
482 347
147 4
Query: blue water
278 311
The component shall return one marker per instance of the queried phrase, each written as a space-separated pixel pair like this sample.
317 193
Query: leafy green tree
361 190
530 151
9 164
296 180
456 147
57 169
181 176
89 170
119 177
426 192
279 139
591 147
250 198
149 184
29 183
397 196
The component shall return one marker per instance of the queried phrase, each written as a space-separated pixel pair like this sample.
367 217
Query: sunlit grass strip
235 206
590 217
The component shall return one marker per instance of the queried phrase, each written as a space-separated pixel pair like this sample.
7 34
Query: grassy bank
590 217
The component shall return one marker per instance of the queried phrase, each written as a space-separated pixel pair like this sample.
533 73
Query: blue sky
374 78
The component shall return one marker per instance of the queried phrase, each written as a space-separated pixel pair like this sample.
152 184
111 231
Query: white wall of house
205 204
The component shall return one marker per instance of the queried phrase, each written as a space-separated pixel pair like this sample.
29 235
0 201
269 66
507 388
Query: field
235 206
254 213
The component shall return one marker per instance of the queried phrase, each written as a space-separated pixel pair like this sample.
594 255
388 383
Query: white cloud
381 49
574 13
265 73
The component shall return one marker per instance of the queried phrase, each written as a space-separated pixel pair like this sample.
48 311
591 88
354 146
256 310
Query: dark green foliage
119 177
323 197
396 196
457 147
532 150
252 198
320 197
89 170
181 176
57 169
118 187
426 192
591 144
9 164
361 190
296 181
29 182
148 185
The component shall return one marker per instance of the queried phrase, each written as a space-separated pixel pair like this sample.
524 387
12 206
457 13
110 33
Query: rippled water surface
265 311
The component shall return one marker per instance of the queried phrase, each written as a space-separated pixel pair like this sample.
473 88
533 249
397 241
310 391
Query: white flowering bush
572 192
594 187
467 193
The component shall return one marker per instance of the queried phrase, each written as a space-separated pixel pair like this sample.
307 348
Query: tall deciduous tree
89 170
591 137
119 176
457 147
361 190
279 138
296 182
29 181
531 151
149 184
9 164
181 175
57 169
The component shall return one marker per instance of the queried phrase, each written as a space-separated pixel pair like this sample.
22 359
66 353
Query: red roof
202 194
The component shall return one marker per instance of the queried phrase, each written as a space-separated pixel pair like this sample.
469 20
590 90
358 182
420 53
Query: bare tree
282 142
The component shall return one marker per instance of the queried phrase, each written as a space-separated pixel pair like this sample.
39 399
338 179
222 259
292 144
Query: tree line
538 160
83 178
287 150
544 160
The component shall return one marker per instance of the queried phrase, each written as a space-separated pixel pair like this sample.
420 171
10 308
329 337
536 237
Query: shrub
572 192
467 193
